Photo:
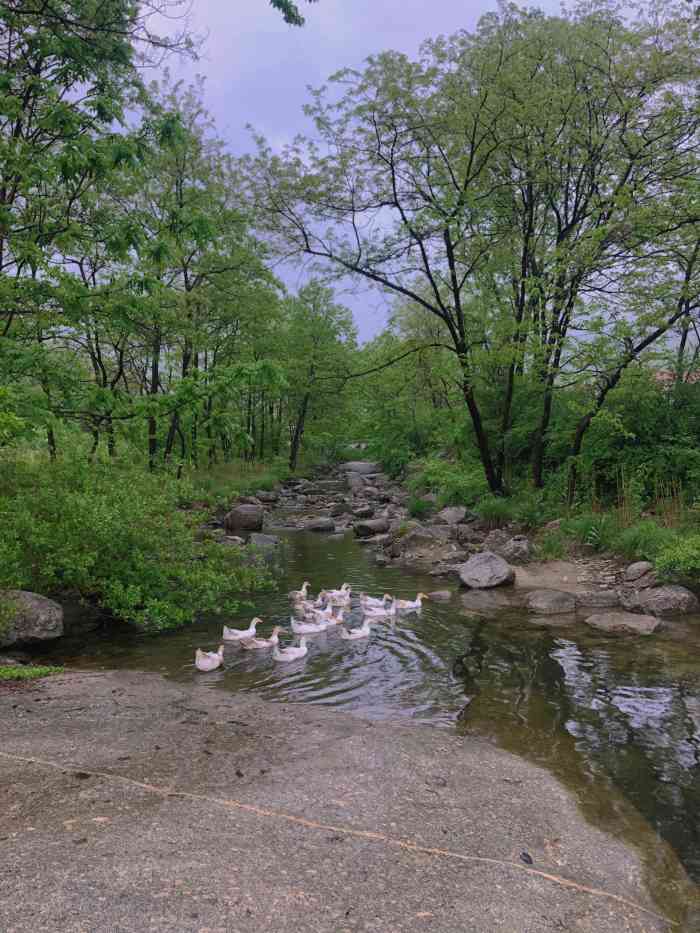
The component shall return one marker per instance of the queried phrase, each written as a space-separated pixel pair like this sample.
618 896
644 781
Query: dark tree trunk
495 482
298 432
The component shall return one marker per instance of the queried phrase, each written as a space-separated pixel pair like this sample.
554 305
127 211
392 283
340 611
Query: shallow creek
616 719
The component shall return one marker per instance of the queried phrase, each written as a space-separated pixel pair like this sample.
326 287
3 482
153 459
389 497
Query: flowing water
616 719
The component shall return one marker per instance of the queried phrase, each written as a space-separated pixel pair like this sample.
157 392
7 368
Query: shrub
29 672
495 511
595 529
644 540
418 507
680 557
116 535
454 483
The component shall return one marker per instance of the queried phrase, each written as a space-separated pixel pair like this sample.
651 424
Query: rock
338 508
324 486
264 542
267 497
643 583
637 570
624 622
661 600
363 511
320 524
416 537
371 492
245 518
598 599
234 540
366 528
441 532
31 618
517 550
7 661
488 601
485 570
452 515
381 560
440 596
249 500
468 534
496 540
354 481
550 602
360 466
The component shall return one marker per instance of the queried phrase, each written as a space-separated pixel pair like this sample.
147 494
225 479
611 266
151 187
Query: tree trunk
494 480
298 432
153 391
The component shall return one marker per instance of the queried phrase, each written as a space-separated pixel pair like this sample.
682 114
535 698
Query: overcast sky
257 71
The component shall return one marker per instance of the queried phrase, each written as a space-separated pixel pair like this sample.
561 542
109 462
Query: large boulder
516 550
598 599
486 570
415 537
469 533
452 515
267 497
637 570
624 622
550 602
360 466
28 618
363 511
320 524
248 500
661 600
244 518
354 482
488 602
368 527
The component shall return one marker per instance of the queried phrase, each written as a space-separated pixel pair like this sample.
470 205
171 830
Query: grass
28 672
222 482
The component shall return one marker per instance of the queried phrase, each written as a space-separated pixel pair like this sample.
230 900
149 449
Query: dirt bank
131 804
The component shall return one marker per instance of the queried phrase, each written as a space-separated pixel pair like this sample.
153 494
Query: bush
680 557
116 535
644 540
454 483
553 545
418 507
595 529
495 511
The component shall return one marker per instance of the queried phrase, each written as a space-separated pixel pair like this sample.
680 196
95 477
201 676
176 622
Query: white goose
237 634
361 632
309 628
375 612
299 595
372 602
290 654
208 660
410 605
342 594
251 644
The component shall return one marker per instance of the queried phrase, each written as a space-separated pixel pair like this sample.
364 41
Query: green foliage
645 540
117 535
680 557
496 511
418 507
454 483
596 530
552 545
28 672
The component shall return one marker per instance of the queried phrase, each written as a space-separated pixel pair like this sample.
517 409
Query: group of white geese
310 617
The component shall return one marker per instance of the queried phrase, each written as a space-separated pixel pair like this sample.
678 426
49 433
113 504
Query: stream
614 718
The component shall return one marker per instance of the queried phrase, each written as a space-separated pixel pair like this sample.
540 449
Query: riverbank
132 803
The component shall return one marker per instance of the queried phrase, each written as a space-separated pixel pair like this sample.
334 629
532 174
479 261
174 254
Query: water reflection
605 714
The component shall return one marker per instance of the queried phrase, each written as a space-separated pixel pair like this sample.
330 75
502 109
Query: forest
525 198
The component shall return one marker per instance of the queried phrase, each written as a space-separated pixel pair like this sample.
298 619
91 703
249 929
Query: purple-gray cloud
258 69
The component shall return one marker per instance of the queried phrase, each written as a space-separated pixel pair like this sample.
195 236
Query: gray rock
371 492
245 518
485 570
360 466
440 596
363 511
517 550
338 508
30 618
661 600
469 534
598 599
643 583
376 479
320 524
452 515
381 560
496 540
234 540
637 570
7 660
368 527
268 497
550 602
248 500
624 623
355 483
488 601
417 537
324 486
264 542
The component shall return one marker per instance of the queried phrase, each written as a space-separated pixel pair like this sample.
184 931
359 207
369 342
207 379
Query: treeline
529 194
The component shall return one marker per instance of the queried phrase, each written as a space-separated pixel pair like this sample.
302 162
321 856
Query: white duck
208 660
309 628
290 654
377 612
361 632
373 602
297 596
410 605
237 634
250 644
343 594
